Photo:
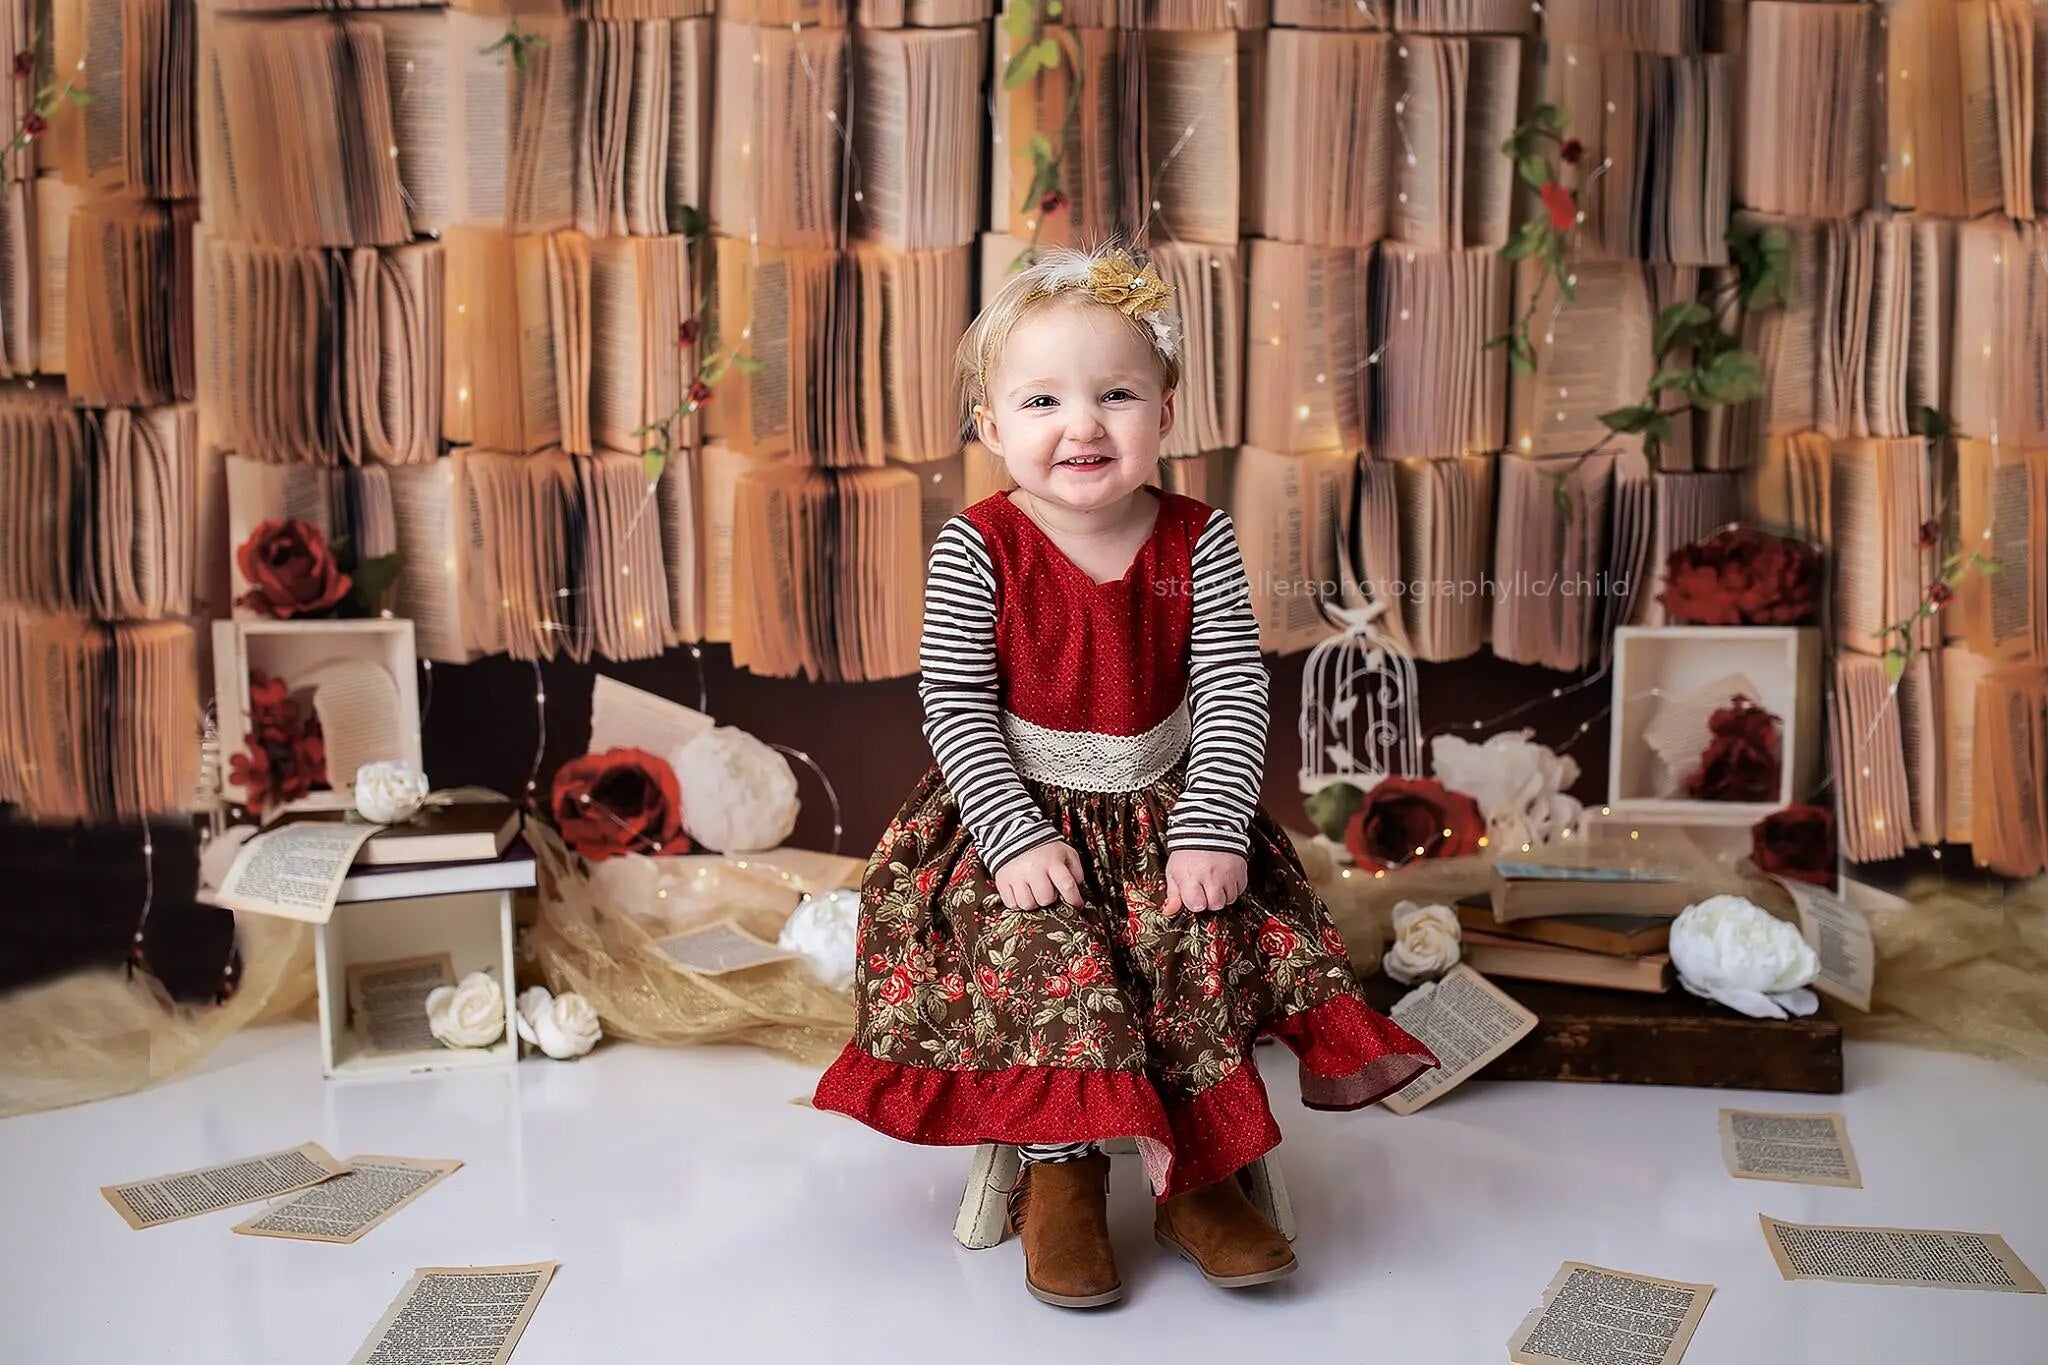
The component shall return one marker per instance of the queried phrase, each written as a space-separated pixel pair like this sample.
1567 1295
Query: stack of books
1579 927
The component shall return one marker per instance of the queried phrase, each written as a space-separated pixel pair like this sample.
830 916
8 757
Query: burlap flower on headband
1116 279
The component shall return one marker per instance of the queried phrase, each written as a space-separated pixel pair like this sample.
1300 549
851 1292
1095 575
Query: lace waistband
1085 761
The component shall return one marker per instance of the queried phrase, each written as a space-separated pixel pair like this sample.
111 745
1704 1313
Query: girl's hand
1041 878
1203 880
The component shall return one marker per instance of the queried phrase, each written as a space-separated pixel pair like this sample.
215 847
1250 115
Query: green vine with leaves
38 63
714 363
1036 55
1696 357
516 40
1898 637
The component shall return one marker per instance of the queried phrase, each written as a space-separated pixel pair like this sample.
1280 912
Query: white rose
1729 949
1425 942
566 1026
527 1008
739 795
823 929
470 1013
1518 784
389 792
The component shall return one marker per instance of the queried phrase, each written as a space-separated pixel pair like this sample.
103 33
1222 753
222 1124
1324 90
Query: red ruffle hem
1350 1057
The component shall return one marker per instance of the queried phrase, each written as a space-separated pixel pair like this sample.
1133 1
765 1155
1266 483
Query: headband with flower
1115 278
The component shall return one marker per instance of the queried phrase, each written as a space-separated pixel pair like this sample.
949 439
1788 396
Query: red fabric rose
1941 594
1059 988
1798 841
620 801
1333 942
896 989
1742 761
1276 939
954 986
877 963
250 770
927 878
700 393
1085 971
308 767
686 332
24 64
290 570
1930 534
1404 814
33 126
991 984
1742 577
1572 151
1564 210
1051 202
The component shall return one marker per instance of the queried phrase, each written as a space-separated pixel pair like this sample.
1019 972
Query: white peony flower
389 792
823 929
1729 949
739 795
471 1013
1425 943
1518 783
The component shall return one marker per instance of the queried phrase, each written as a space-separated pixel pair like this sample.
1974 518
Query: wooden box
1624 1038
1654 664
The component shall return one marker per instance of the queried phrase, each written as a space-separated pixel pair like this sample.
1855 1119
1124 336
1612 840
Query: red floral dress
1127 718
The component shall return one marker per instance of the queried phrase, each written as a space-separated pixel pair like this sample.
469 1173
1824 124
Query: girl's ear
985 429
1166 413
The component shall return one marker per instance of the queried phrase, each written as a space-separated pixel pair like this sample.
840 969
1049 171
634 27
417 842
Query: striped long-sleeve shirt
1029 668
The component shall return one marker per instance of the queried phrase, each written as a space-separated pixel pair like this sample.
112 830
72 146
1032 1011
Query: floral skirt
977 1023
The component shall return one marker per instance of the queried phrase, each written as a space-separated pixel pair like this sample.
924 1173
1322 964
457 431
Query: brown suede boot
1225 1235
1062 1209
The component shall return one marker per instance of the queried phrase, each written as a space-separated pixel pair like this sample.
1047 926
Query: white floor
701 1216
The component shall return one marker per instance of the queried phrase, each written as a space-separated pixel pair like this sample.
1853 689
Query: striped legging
1034 1152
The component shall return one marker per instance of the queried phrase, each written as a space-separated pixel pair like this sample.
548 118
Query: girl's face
1076 408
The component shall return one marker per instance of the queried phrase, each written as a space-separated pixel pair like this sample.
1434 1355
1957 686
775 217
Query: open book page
1809 66
1466 1021
1591 1316
720 948
292 871
1593 356
1800 1149
1328 137
1435 392
1912 1256
776 166
2003 505
919 165
1288 510
470 1313
1209 287
1192 135
387 1001
166 1199
341 1210
1090 171
1304 382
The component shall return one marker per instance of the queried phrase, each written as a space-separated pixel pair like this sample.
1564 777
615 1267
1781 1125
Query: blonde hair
1108 274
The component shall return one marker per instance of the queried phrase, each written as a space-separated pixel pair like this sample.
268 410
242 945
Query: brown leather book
1614 935
459 832
1498 955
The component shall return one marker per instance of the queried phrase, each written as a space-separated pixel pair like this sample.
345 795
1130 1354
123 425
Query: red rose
1742 761
308 767
896 989
686 332
1930 534
927 878
991 984
1742 577
1572 151
954 986
1402 815
290 571
1059 988
1276 939
700 393
619 801
878 963
33 126
1798 841
1051 202
1564 210
1212 985
24 64
1085 971
1333 942
1941 594
250 770
270 699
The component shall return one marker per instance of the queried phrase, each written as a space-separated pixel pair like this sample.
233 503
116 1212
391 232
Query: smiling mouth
1086 462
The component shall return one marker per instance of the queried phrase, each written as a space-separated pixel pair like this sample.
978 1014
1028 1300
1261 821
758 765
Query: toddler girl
1081 920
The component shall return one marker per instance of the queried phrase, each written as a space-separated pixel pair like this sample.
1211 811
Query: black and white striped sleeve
1227 696
957 683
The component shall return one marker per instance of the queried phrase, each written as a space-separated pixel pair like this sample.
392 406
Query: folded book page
473 1314
1464 1019
344 1208
1591 1316
1799 1149
168 1198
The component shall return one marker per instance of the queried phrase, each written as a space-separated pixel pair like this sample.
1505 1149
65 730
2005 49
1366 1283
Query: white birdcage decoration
1358 705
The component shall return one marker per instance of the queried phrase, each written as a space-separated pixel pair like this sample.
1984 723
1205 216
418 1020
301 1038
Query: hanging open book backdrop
1633 415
